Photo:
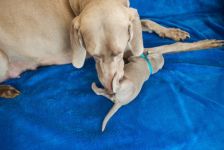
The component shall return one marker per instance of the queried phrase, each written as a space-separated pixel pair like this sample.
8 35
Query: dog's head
105 31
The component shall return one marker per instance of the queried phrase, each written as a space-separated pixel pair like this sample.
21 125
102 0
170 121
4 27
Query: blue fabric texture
179 108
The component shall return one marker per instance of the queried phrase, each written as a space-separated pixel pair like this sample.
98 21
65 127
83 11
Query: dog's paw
8 92
174 33
211 43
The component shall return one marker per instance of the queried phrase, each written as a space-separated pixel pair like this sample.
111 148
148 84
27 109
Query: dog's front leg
6 91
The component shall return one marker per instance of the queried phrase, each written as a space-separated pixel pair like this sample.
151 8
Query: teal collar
144 56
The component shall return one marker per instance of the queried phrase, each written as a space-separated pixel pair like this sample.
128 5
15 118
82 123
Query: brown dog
138 70
37 33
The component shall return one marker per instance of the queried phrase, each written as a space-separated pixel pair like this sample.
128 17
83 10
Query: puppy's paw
174 33
8 92
97 90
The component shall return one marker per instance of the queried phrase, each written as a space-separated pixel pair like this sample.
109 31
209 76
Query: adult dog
46 32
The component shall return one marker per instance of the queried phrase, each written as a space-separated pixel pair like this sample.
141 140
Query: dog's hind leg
172 33
6 91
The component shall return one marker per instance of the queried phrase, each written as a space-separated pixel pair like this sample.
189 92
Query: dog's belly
35 33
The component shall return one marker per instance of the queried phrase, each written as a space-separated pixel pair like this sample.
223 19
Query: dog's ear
125 2
77 44
74 4
135 33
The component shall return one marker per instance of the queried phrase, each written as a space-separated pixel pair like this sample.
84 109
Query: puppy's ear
135 33
77 44
127 91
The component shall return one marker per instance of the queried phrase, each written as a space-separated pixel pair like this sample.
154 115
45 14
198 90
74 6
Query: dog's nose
113 84
108 85
109 88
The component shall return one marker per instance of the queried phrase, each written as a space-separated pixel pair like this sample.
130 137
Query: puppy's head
125 92
106 31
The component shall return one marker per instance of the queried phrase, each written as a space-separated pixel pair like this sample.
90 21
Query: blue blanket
181 107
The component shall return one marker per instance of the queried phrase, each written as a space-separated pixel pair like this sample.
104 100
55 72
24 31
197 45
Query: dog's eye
116 54
96 56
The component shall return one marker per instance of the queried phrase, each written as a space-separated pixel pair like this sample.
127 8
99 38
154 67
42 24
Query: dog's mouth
110 93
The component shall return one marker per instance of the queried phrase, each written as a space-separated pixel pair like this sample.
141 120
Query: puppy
136 73
138 70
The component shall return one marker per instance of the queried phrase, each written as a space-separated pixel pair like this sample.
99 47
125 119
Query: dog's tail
112 111
183 47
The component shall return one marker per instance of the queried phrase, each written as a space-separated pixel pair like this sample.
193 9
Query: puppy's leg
183 47
6 91
101 92
172 33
